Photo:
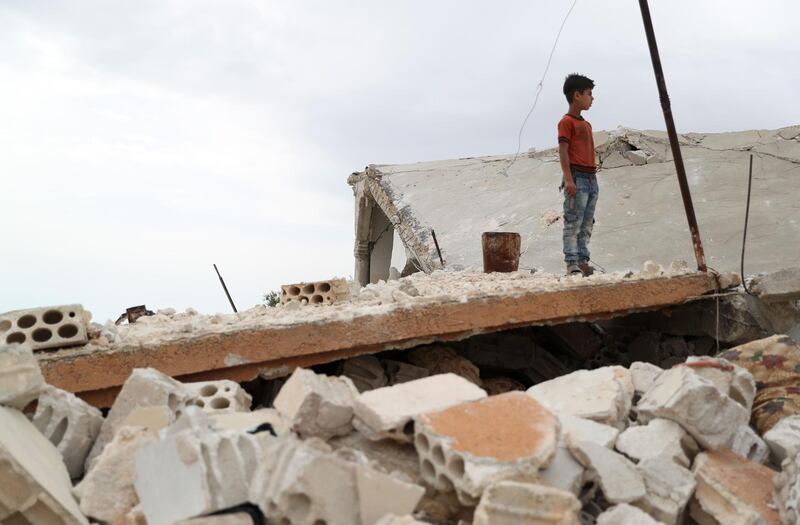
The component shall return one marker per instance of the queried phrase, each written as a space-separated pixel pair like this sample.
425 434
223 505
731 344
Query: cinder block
731 489
317 405
219 396
145 387
47 327
746 443
512 503
293 485
106 493
34 483
20 377
695 403
195 472
319 292
388 412
366 372
70 424
604 395
468 447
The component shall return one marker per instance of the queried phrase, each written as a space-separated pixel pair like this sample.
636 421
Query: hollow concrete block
388 412
468 447
317 405
46 327
21 380
34 483
70 424
512 503
145 387
218 396
316 293
746 443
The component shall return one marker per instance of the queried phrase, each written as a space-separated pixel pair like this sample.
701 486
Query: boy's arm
563 155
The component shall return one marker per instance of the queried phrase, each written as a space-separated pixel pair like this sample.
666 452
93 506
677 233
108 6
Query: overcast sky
142 141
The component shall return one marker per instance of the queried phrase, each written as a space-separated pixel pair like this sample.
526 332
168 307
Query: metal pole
673 137
226 290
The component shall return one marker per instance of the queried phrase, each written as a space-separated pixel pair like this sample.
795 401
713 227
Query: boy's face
583 99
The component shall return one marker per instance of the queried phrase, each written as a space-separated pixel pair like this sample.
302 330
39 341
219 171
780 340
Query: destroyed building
647 394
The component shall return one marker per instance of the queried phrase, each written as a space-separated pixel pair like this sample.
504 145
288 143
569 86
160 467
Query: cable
538 90
746 218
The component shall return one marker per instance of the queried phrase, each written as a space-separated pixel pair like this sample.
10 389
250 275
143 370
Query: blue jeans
579 217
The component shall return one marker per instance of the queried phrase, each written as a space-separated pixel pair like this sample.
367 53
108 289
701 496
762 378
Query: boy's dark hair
576 82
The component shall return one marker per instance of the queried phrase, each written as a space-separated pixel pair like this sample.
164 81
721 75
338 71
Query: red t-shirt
577 133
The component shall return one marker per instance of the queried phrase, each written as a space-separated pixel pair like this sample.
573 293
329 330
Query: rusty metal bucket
500 251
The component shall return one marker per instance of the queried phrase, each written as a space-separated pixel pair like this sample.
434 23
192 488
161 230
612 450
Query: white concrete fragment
696 404
580 429
784 438
195 472
144 387
514 503
318 405
152 418
70 424
746 443
617 476
388 412
669 489
732 380
659 438
391 519
34 483
787 490
251 420
294 484
20 377
219 396
106 493
624 514
643 375
468 447
603 395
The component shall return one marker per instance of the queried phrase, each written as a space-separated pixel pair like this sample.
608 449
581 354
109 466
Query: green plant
272 298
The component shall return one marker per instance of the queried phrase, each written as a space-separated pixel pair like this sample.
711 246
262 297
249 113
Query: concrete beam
274 351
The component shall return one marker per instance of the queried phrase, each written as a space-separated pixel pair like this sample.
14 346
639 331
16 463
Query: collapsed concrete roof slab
397 314
639 217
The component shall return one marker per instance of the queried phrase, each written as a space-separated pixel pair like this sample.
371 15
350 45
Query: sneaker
586 270
574 269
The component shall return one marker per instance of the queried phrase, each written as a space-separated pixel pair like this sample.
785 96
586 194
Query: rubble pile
412 437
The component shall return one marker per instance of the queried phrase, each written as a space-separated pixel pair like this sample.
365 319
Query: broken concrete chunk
234 518
70 424
580 429
787 490
145 387
644 375
388 412
195 472
732 490
46 327
780 286
317 405
617 476
669 489
564 472
512 503
624 514
219 396
152 418
251 421
469 446
659 438
106 493
746 443
399 459
316 293
784 438
20 377
696 404
731 380
603 395
391 519
366 372
293 485
34 483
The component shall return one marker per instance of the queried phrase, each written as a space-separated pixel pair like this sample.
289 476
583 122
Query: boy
576 152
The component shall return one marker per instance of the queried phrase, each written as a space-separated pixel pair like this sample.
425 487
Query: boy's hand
570 188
